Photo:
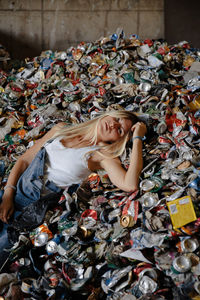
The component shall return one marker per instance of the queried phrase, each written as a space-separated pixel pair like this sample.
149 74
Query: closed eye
121 132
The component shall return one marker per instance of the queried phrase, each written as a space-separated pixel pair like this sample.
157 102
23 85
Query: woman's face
110 129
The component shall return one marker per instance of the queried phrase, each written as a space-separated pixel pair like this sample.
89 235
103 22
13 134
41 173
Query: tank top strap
85 150
47 143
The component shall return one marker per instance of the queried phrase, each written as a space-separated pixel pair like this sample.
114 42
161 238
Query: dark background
182 21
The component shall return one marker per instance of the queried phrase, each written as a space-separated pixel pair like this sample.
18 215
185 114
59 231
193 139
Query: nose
114 125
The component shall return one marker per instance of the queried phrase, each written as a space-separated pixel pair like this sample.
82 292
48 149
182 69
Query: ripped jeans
28 191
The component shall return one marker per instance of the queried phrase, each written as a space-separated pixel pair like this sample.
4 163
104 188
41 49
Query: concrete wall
29 26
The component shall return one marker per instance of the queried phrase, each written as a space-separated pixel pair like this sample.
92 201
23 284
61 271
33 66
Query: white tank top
66 166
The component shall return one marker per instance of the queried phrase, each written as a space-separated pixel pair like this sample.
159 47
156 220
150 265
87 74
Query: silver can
147 185
149 200
197 287
51 247
147 285
144 87
41 239
182 264
189 245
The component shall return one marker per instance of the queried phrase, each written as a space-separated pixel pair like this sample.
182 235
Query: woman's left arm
127 180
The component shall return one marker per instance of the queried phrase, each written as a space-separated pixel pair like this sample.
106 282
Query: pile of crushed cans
98 242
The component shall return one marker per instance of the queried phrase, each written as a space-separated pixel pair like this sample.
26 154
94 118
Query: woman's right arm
127 180
7 205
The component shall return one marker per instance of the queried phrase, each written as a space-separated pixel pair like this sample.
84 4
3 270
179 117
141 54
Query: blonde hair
87 131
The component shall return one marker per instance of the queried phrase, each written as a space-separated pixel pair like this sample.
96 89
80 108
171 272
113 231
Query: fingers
5 215
138 125
9 215
139 129
3 219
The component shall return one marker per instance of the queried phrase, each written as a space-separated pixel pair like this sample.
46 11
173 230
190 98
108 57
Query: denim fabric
4 243
30 183
28 191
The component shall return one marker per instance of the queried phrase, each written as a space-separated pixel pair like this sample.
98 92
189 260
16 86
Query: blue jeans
28 191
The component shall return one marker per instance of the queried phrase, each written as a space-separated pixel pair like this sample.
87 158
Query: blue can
195 184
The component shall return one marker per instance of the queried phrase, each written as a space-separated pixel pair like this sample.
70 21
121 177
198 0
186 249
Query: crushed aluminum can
48 265
110 279
24 261
154 61
41 235
195 184
41 239
197 287
149 200
68 232
54 280
161 127
189 245
84 232
178 177
145 87
128 297
89 213
26 285
149 172
196 270
150 272
147 285
127 221
158 183
147 185
181 264
164 140
194 258
51 247
109 215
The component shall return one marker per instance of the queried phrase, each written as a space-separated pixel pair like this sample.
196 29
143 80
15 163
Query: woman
66 155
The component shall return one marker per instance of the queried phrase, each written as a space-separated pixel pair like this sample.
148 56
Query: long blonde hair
87 131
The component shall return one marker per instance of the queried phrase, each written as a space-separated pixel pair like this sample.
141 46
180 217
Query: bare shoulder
97 161
50 133
60 125
105 162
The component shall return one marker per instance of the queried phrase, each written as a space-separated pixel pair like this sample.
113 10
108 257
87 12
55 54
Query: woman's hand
6 208
139 129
